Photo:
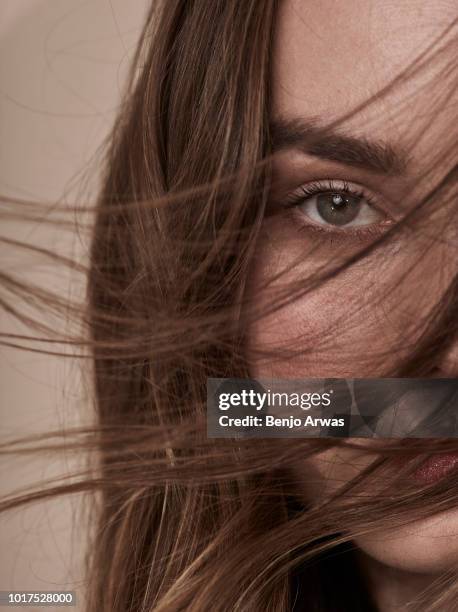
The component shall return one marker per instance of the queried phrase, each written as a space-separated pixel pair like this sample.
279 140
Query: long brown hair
183 522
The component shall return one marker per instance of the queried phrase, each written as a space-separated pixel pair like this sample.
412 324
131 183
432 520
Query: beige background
62 65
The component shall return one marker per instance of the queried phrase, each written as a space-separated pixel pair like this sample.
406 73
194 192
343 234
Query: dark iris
338 208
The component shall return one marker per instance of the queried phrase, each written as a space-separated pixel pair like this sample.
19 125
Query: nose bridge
449 359
449 362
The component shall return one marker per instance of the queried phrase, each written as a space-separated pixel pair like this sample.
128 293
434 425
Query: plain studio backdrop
63 64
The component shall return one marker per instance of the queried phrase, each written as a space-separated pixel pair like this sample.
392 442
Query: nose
449 363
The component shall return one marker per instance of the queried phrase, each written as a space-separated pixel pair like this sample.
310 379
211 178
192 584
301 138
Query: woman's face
347 188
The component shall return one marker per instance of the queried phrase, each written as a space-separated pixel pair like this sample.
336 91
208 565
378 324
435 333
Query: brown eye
339 209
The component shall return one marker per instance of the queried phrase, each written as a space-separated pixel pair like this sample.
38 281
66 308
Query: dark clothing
332 582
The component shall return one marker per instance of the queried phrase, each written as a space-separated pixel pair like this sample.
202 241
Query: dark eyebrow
328 143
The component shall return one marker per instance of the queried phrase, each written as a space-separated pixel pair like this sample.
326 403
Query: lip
435 468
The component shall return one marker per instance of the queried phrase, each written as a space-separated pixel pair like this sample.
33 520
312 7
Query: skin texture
328 58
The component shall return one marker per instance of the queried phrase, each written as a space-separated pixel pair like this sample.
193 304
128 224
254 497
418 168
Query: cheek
426 546
325 473
358 324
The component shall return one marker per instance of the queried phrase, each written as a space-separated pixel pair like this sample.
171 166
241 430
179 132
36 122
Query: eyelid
291 170
311 188
293 201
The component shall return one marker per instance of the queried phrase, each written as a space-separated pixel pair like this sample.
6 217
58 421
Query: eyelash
306 191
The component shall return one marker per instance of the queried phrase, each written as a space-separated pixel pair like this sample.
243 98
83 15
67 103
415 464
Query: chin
426 546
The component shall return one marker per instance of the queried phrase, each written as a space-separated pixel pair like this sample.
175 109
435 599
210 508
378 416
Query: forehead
330 56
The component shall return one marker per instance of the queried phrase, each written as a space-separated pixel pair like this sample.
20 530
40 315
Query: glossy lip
435 468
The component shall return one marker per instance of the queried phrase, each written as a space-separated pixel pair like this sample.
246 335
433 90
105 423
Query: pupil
337 200
338 208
